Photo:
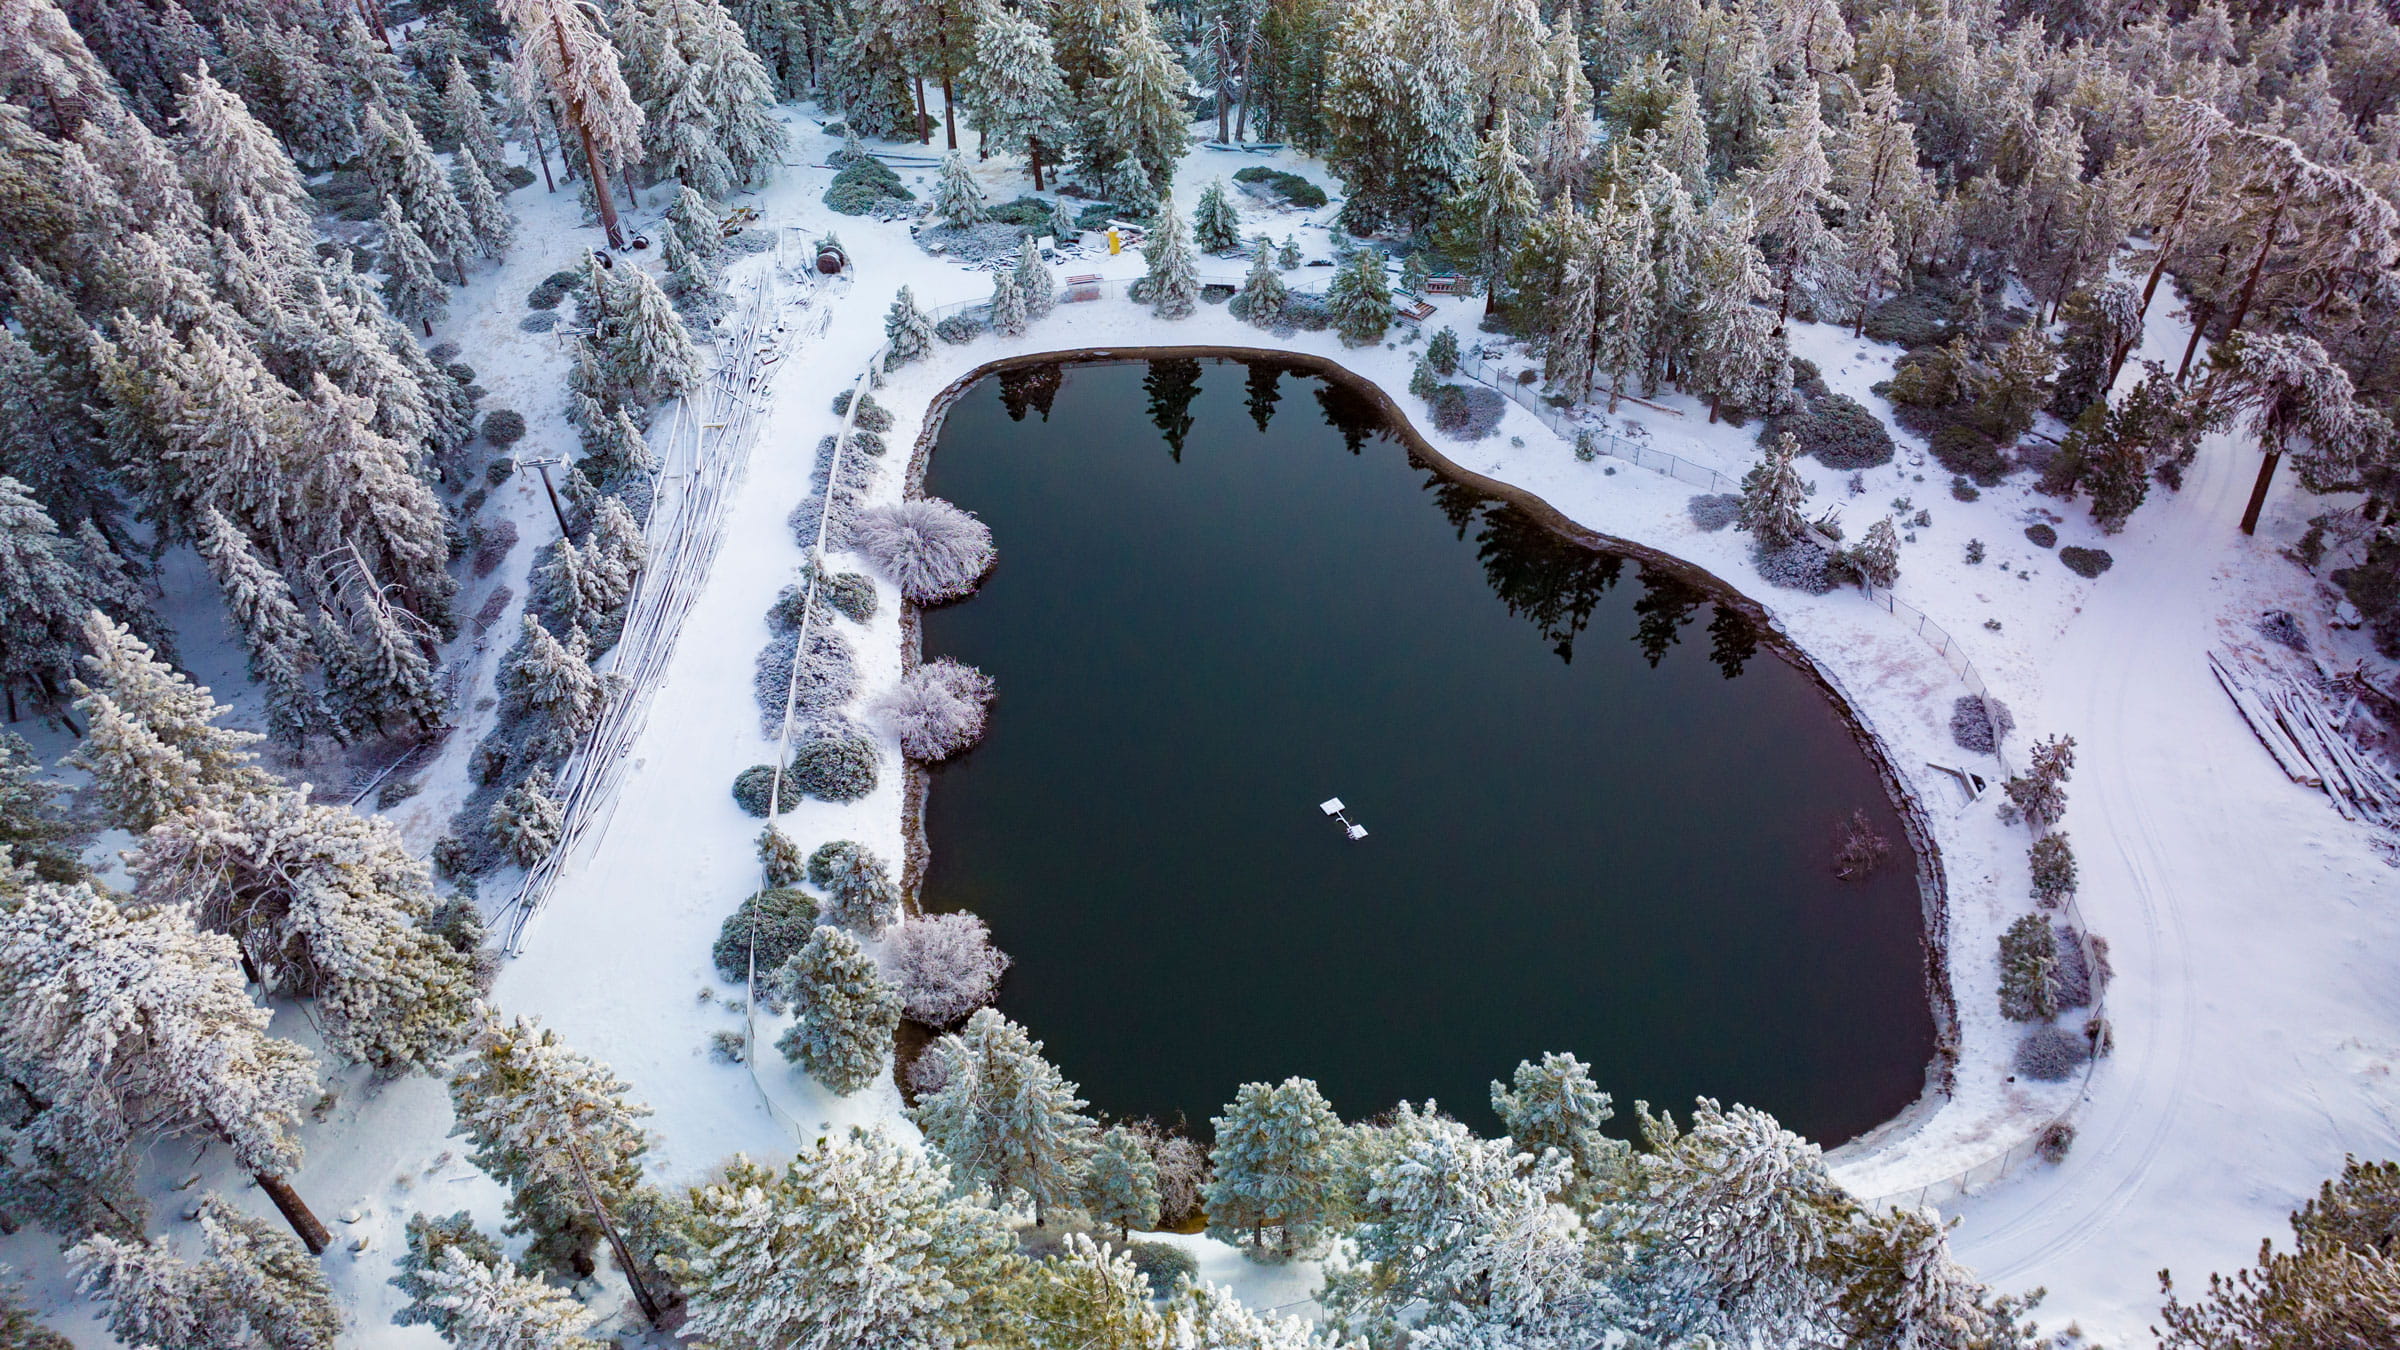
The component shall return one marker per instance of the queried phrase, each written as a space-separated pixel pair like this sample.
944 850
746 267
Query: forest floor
2255 948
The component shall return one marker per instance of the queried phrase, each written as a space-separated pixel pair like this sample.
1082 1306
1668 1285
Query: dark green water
1602 816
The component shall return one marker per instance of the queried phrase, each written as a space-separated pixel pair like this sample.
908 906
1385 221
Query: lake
1602 810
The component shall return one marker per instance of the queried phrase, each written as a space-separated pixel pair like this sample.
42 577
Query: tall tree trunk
2207 315
2258 265
616 1242
600 193
541 156
1033 157
633 199
2158 267
924 118
2258 491
1224 88
1241 117
296 1212
949 112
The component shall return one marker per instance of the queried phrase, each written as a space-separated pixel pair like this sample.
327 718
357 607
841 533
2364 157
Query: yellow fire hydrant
1115 241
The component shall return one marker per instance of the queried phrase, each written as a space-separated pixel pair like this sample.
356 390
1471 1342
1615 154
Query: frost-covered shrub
2074 974
1801 565
866 443
488 545
851 594
960 329
1713 511
1837 430
1441 352
1306 314
2041 535
1290 186
779 858
827 679
1978 724
2056 1138
779 919
946 967
863 186
930 549
2029 973
2051 1054
1860 848
1164 1265
1469 413
872 416
754 785
2053 862
836 764
1182 1174
936 710
540 321
553 289
2087 563
503 427
858 886
1968 452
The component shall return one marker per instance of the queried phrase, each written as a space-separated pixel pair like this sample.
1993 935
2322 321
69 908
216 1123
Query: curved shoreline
1932 879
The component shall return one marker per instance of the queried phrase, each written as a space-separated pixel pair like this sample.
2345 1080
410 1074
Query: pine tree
1773 495
1263 295
1274 1162
868 77
2052 863
691 219
555 678
429 1241
558 1130
34 833
411 286
240 176
153 747
651 348
846 1011
274 631
2029 976
1121 1184
488 1306
1014 93
907 330
1171 285
2040 794
1008 305
1906 1292
1867 258
1034 282
958 200
856 1242
1141 102
529 820
705 96
1875 559
1554 1106
256 1287
46 590
491 224
1003 1116
142 1022
1359 300
1742 1215
858 886
562 47
469 120
1090 1295
1215 226
403 170
1788 193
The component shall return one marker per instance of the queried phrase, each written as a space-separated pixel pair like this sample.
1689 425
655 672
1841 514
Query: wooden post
533 119
296 1213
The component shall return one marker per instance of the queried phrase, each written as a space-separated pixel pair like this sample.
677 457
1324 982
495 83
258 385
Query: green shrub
1969 453
499 471
958 330
553 288
1290 186
2051 1054
2087 563
1837 430
1914 318
1167 1267
781 917
1441 352
2042 536
1031 213
1469 412
835 766
2029 971
752 787
863 186
2053 864
516 176
503 427
850 593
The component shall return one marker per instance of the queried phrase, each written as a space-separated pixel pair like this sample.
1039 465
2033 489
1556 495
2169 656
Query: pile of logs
2306 739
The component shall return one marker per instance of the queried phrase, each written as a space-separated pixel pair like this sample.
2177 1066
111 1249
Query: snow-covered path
2245 936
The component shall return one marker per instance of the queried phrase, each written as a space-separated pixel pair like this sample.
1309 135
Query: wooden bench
1445 285
1084 286
1416 311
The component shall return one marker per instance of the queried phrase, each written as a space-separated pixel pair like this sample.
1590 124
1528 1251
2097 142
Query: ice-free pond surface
1603 815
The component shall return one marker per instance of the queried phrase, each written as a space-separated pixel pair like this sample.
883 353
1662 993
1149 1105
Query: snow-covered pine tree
241 178
152 746
377 673
1008 305
1004 1117
1263 295
2040 793
691 218
429 1240
1742 1214
1216 228
1171 284
705 96
489 221
1773 495
1905 1290
691 274
846 1011
555 678
868 77
1867 259
1120 1185
142 1022
2030 988
1562 144
557 1129
858 886
1876 557
616 546
1092 1295
908 331
1554 1106
2051 861
469 120
1035 285
1359 299
34 832
563 47
274 631
1141 101
650 348
255 1287
1014 94
1274 1161
1681 144
489 1306
46 592
958 200
528 820
1788 193
412 285
1736 355
402 169
858 1241
2100 325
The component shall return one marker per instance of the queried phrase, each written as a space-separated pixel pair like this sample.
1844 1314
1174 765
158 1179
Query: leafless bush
2056 1138
491 540
936 710
2051 1054
494 605
1182 1172
1862 851
945 966
930 549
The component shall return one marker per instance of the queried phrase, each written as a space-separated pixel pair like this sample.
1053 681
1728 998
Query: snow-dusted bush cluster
936 710
2074 973
946 967
930 549
754 789
2052 861
1974 728
2051 1054
851 594
960 329
504 427
836 763
858 886
1713 511
858 466
1468 412
1837 430
2087 563
1802 565
2042 536
778 919
828 678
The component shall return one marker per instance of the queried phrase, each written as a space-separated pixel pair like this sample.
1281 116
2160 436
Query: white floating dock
1332 806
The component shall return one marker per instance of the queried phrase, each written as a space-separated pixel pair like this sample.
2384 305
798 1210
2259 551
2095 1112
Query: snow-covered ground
2255 1006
